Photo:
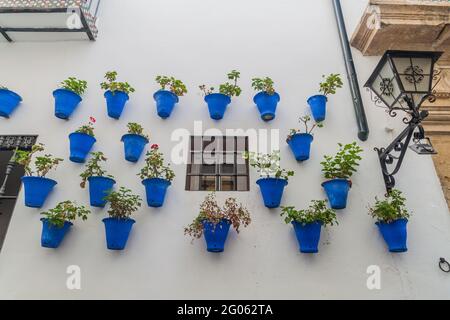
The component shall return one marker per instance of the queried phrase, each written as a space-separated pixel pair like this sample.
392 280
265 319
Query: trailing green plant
316 212
263 84
43 164
65 211
392 208
331 83
229 89
75 85
268 164
344 163
2 87
93 168
175 86
308 130
88 128
211 212
136 128
154 166
112 85
123 203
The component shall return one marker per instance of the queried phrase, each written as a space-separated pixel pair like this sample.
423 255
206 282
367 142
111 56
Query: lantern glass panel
386 86
414 73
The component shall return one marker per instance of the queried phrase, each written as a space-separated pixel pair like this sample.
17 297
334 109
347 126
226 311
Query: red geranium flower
154 146
92 119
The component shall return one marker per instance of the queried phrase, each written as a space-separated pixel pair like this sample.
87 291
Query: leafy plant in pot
274 178
100 183
213 222
218 102
68 96
392 216
123 203
318 103
57 222
81 141
266 99
300 141
117 94
134 142
338 169
308 223
156 177
37 186
9 101
166 99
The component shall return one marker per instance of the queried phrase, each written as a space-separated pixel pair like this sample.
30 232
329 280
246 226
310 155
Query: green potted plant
392 216
134 141
37 186
9 100
273 178
82 141
218 102
338 169
308 223
300 141
167 96
58 221
68 96
117 94
123 203
213 222
318 102
266 99
156 177
100 183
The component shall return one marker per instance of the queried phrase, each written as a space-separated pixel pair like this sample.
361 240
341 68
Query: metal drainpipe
361 120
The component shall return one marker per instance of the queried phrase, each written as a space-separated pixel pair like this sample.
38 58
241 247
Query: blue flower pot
115 103
117 232
300 144
215 235
394 234
66 102
308 236
8 102
165 101
337 192
80 146
318 105
99 188
272 191
37 190
156 189
267 104
134 145
52 236
217 104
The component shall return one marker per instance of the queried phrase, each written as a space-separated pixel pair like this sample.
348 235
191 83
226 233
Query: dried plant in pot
116 94
37 186
214 222
308 223
167 96
392 217
273 178
9 101
57 222
156 177
100 183
134 141
266 99
68 97
338 169
318 103
123 204
82 141
218 101
300 140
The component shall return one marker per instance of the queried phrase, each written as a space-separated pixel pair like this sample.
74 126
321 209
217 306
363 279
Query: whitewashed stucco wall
294 42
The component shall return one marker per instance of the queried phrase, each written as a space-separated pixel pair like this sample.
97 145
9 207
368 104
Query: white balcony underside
34 20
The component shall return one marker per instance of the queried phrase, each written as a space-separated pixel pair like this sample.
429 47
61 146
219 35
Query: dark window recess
216 164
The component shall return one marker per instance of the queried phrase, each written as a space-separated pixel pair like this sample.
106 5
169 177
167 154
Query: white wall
198 41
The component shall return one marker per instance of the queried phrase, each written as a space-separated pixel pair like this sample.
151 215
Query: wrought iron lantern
403 81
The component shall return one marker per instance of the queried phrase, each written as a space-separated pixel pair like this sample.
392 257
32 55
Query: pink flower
154 146
92 119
